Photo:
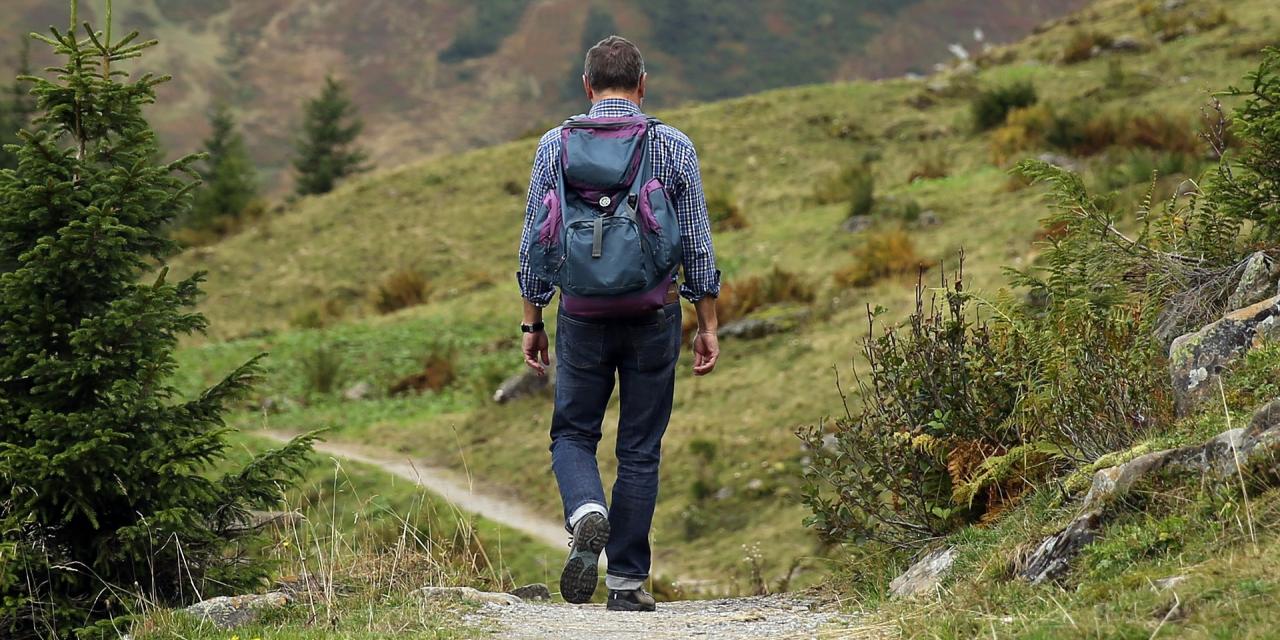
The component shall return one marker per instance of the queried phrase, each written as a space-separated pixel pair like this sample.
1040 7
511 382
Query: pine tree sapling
1248 186
326 153
230 181
106 475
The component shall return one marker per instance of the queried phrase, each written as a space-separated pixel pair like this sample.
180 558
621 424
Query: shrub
854 184
991 107
931 166
318 315
881 255
1084 45
401 289
322 370
439 370
741 297
1248 186
724 211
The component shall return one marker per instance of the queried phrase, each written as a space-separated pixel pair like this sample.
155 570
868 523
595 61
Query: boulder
1258 281
358 391
229 612
537 592
925 575
469 595
749 329
1127 43
1052 558
526 383
856 224
1197 359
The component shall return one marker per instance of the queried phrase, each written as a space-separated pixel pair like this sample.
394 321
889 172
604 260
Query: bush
991 107
401 289
881 255
854 184
741 297
931 166
1084 45
439 370
323 370
1248 187
724 211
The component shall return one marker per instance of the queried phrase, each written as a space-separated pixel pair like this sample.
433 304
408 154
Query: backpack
607 234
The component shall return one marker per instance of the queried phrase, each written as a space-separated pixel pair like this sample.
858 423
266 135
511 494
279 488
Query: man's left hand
536 349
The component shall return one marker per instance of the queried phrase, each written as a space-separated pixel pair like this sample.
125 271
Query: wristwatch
531 328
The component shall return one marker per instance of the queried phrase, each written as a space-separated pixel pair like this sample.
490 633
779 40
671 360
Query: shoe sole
582 569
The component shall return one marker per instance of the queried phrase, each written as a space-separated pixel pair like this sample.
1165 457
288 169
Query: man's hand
535 348
706 350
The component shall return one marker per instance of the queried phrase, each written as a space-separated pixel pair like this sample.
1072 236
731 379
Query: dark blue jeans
642 353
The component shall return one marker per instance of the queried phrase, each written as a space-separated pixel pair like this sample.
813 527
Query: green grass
452 219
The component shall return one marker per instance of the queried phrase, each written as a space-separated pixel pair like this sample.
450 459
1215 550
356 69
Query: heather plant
109 485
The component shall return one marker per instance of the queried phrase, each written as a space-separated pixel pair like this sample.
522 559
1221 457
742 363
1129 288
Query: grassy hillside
449 74
299 285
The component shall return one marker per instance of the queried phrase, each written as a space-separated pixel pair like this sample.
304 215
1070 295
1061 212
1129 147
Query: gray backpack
607 235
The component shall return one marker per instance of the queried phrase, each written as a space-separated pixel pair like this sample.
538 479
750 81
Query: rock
723 493
537 591
927 218
749 329
925 575
1219 458
358 391
525 383
1052 558
468 594
1258 281
1197 359
855 224
1060 161
229 612
1127 43
1169 583
755 484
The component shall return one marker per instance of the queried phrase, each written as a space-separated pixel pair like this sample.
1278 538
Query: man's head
614 69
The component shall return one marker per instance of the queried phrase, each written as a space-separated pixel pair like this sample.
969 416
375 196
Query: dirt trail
781 616
453 487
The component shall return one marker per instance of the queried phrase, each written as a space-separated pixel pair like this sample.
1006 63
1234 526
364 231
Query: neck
630 97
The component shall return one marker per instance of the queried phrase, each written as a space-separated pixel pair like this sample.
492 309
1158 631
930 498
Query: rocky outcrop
1052 558
229 612
1255 448
1196 360
750 329
1258 281
526 383
925 575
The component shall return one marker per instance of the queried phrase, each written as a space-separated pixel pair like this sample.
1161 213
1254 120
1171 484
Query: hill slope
449 75
732 463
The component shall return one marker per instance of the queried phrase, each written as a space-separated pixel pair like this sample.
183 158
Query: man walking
615 206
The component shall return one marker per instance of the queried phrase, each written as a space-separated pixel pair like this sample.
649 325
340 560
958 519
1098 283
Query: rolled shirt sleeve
701 277
533 288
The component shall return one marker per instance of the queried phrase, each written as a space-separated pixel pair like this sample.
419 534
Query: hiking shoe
581 569
632 600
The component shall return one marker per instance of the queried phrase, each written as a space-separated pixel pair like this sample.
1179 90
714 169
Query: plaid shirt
675 163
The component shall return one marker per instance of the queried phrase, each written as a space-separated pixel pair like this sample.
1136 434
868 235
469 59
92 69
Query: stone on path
229 612
536 592
469 594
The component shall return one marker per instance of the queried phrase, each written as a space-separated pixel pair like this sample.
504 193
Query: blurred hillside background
445 75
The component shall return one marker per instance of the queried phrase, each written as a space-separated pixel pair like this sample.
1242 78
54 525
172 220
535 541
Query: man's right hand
536 349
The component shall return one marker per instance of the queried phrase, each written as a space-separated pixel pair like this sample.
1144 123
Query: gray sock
616 583
580 512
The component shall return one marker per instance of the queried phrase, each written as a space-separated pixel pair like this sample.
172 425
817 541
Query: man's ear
586 86
644 80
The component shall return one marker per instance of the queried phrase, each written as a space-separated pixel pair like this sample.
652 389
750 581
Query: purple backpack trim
549 234
646 208
630 305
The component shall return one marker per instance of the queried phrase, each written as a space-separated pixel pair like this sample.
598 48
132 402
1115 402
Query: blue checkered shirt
675 163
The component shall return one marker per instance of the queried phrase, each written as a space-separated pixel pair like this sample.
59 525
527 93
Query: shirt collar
613 108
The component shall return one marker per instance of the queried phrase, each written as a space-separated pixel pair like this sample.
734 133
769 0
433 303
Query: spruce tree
16 108
327 152
230 180
107 478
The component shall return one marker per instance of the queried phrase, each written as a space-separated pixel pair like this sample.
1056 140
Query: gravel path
453 487
780 616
